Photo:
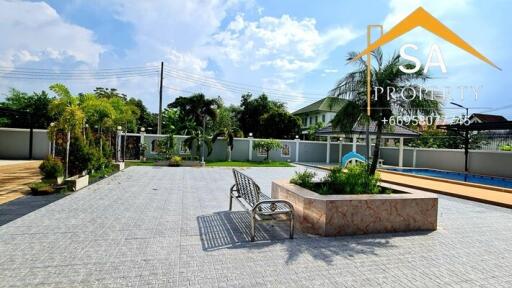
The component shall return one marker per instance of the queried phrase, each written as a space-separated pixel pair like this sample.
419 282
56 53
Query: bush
51 168
81 157
41 188
175 161
355 180
304 179
506 147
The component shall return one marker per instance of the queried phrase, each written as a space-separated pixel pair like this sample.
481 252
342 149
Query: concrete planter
77 182
118 166
57 180
336 215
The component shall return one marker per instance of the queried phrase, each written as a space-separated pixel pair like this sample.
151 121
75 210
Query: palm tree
230 133
71 118
199 139
384 75
198 107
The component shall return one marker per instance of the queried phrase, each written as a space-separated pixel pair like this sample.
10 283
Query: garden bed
335 215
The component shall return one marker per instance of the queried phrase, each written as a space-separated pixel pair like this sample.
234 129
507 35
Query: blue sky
294 50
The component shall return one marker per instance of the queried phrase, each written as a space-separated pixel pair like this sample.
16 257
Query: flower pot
77 182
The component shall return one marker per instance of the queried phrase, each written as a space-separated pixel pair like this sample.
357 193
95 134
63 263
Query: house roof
488 117
360 128
322 105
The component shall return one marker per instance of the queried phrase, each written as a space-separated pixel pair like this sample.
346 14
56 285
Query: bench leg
253 228
291 225
230 202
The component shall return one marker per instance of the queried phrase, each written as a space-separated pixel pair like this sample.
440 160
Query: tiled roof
359 128
488 117
334 105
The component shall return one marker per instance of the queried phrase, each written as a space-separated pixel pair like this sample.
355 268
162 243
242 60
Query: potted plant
41 188
175 161
52 170
352 201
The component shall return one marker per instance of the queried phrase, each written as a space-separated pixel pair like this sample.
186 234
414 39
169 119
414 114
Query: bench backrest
247 188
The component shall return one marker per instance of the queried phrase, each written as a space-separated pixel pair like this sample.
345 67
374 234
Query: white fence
14 144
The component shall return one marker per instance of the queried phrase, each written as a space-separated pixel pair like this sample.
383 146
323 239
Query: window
154 146
323 118
305 121
310 120
316 119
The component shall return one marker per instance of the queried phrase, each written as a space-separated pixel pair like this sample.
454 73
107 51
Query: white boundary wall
14 145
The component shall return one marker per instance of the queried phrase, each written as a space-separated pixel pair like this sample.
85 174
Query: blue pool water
458 176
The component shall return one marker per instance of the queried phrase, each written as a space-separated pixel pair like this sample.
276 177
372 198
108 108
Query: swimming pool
458 176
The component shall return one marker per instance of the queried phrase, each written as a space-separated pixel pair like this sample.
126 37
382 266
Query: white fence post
354 144
250 148
297 143
401 153
340 154
328 156
414 158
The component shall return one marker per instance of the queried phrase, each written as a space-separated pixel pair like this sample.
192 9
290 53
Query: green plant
267 146
229 133
385 75
81 157
175 161
304 179
41 188
51 168
356 180
506 147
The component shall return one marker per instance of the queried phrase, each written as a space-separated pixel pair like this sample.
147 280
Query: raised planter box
336 215
118 166
77 182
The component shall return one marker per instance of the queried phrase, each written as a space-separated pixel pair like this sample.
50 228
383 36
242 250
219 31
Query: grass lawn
248 164
140 163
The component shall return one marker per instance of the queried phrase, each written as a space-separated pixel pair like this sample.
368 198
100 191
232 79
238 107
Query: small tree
267 145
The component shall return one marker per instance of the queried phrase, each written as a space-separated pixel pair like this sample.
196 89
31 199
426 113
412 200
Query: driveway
168 227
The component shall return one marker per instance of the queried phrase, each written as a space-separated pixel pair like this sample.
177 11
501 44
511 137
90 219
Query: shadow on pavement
20 207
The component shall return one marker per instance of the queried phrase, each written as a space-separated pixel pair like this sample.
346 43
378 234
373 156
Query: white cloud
33 31
285 44
330 70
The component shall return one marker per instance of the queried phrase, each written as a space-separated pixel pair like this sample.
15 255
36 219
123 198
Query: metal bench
262 207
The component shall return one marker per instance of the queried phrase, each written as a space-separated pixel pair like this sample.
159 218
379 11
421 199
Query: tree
70 117
197 107
267 145
230 133
37 105
385 75
251 112
97 113
199 139
146 119
109 93
312 129
174 122
279 124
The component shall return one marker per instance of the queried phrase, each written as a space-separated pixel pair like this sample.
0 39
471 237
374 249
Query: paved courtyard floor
168 227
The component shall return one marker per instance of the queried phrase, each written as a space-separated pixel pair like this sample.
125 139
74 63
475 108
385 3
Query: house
322 110
486 118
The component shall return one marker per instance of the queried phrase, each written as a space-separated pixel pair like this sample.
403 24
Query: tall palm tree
199 139
384 75
198 107
230 133
71 118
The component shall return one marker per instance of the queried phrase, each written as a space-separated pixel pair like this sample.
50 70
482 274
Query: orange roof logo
420 17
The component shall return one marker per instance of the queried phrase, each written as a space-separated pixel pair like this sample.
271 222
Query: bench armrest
272 201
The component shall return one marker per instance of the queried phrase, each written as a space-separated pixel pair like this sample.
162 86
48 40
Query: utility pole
159 129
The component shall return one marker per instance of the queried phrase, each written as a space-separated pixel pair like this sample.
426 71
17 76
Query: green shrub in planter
304 179
52 169
175 161
41 188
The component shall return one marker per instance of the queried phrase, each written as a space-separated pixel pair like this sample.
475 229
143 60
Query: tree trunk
229 154
376 148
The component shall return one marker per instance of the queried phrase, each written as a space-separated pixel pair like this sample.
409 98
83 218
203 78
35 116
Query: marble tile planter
336 215
77 182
